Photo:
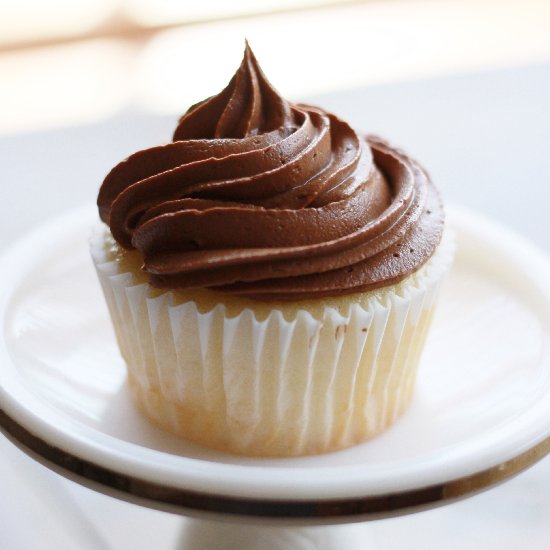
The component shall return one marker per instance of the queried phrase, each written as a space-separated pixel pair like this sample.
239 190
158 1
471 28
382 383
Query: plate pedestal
198 534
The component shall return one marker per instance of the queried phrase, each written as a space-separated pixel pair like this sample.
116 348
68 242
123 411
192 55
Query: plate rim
290 512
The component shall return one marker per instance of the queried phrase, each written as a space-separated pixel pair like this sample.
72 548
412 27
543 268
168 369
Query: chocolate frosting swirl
264 198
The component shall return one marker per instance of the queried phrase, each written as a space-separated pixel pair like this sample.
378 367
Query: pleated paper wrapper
275 384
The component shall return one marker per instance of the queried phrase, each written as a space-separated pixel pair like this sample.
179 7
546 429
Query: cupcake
271 274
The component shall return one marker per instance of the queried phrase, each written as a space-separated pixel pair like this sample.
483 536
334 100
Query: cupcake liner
275 385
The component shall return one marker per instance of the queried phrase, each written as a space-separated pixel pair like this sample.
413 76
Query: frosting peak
248 106
261 197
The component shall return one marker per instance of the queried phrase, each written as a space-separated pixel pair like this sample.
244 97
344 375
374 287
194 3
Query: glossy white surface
483 393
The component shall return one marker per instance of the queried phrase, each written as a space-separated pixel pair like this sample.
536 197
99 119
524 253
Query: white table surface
485 139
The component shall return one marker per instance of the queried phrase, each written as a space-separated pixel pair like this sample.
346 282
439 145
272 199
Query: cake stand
480 415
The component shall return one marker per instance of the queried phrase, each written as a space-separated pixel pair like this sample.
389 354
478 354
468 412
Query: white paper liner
271 386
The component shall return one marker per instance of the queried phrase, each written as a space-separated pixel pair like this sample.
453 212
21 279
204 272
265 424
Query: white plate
483 394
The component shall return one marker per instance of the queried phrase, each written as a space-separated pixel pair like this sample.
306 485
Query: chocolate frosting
264 198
